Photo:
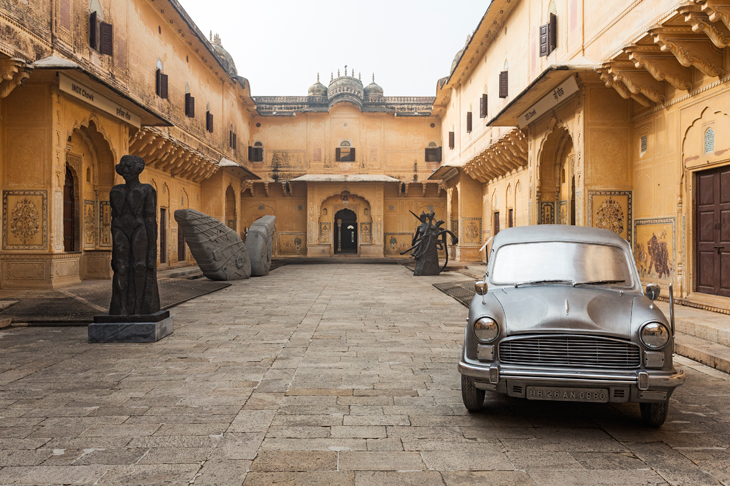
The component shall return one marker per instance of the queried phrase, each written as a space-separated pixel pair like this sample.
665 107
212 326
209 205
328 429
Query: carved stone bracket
689 49
12 74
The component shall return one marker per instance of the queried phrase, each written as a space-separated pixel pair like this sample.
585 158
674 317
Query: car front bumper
635 386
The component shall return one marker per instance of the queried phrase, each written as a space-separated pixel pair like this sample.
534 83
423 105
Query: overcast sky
280 45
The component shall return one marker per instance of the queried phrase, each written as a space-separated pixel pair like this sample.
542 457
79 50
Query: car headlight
654 335
486 329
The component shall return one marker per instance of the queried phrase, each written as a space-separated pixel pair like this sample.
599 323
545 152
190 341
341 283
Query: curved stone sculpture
219 251
260 244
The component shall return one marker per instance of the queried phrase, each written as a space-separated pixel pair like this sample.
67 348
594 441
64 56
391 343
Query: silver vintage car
561 316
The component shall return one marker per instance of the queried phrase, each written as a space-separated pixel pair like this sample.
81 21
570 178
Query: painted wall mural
397 242
25 214
89 224
611 210
324 232
105 224
654 249
472 230
292 244
547 212
563 212
366 232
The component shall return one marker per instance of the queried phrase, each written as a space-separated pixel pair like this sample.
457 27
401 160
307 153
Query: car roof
558 232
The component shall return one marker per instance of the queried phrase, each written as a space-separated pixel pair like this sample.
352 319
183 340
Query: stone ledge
706 352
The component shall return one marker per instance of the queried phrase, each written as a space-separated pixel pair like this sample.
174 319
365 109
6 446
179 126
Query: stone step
706 352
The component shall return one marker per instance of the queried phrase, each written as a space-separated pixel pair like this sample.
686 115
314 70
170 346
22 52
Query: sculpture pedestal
130 329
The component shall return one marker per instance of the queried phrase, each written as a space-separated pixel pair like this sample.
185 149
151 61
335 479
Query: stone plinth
130 329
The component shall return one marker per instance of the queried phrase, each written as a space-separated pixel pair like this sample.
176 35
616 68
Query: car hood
543 309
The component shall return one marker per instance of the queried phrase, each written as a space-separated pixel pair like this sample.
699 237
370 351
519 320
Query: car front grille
570 351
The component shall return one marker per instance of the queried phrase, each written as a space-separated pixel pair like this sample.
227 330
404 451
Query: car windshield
561 262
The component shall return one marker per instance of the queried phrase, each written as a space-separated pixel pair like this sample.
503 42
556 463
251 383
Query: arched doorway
556 186
345 231
69 212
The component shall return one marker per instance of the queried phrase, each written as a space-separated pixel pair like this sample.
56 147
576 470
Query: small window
483 105
345 152
256 153
208 118
101 34
549 34
232 138
189 102
160 81
468 120
451 140
709 140
644 143
433 153
503 82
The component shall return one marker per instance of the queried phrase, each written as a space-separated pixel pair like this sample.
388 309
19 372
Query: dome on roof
225 56
317 89
373 89
345 88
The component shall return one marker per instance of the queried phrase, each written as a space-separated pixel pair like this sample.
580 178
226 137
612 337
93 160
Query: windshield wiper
537 282
598 282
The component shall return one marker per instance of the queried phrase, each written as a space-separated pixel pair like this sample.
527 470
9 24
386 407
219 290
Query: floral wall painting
89 224
324 232
563 212
654 249
105 224
366 232
472 230
611 210
25 215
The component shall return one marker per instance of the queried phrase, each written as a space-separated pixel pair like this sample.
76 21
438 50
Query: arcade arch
556 182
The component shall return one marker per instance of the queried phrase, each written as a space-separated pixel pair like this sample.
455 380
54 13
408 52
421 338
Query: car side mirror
481 287
652 292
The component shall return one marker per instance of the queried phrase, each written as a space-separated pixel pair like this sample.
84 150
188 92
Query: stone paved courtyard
324 375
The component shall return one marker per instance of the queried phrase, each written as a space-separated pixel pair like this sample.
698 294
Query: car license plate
561 394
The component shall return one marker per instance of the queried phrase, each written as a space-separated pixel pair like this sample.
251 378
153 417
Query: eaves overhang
150 117
232 166
546 81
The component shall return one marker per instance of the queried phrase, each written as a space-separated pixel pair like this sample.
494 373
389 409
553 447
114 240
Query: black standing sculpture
134 313
428 240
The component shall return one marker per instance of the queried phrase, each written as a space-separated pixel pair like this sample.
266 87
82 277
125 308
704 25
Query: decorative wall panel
611 210
654 249
25 215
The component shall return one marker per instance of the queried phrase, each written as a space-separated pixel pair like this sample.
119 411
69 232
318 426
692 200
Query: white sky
280 45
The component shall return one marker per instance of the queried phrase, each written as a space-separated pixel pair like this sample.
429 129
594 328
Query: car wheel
473 397
654 414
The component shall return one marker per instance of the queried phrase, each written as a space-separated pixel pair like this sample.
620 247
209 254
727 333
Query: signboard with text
88 95
548 102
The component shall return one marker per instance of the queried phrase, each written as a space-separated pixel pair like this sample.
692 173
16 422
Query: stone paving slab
323 374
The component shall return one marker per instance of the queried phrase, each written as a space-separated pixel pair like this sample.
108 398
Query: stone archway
556 179
362 231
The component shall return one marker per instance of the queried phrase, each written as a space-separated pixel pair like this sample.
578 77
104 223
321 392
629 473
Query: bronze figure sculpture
429 239
134 242
134 313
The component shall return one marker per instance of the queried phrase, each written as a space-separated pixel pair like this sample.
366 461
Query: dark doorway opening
346 231
712 231
69 213
163 235
496 223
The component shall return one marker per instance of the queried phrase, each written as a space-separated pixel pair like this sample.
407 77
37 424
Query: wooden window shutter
503 84
163 86
189 105
337 154
158 82
209 121
544 35
250 153
483 106
235 141
468 122
260 154
352 155
427 155
92 30
451 140
106 39
553 32
438 154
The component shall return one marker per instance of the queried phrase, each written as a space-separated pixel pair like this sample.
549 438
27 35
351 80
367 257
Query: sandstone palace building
604 114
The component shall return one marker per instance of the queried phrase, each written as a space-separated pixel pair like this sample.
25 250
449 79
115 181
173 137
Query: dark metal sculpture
134 242
429 239
134 312
218 250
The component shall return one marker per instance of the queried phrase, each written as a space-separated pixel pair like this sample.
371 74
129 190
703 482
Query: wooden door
69 213
496 223
712 231
163 235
